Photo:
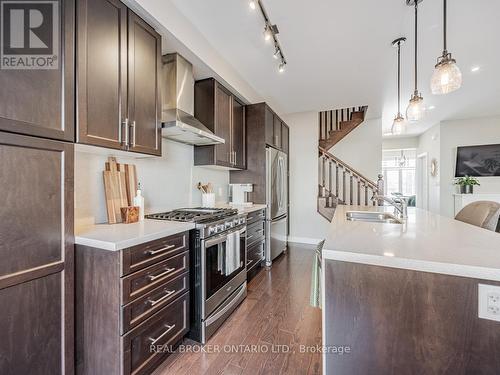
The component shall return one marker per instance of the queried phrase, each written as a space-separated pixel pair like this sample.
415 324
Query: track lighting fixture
277 53
270 34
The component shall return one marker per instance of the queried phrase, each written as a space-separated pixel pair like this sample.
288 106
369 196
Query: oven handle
222 238
226 308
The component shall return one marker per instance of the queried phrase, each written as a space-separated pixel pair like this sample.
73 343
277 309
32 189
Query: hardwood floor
265 334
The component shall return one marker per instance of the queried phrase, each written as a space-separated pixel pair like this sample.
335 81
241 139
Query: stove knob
221 227
212 230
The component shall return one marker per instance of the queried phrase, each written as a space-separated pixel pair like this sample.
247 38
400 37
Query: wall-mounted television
478 161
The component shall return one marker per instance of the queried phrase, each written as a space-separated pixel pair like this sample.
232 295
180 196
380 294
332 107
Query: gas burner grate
199 214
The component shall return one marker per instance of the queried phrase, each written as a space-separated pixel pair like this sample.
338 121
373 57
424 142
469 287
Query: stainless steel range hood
178 121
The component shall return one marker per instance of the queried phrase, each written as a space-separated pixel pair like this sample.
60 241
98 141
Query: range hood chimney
177 89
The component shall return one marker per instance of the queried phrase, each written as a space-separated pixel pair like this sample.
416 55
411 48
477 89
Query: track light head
252 4
281 67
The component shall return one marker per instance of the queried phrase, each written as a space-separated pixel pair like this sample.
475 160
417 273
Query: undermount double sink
373 217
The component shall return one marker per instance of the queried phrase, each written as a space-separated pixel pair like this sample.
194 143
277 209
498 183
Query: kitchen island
404 297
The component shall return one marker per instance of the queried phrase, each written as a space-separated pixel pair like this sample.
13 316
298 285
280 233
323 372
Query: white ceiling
339 53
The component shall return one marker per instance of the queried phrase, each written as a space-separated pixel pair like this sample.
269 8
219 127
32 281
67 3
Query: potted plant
466 184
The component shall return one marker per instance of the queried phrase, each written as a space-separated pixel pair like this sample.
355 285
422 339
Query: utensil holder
208 199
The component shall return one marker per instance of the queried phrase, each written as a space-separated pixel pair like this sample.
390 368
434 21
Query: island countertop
425 242
116 237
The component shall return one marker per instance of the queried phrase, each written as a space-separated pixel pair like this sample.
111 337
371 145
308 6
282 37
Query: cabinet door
285 138
223 113
102 72
269 125
36 248
277 132
144 53
238 135
40 102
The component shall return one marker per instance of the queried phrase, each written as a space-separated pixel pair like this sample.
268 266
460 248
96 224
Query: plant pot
467 189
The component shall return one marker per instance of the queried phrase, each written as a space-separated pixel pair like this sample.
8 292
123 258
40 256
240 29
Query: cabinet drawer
146 345
255 254
142 308
144 255
255 216
255 232
145 280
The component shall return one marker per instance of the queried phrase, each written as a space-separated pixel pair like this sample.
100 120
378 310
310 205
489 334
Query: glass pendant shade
446 77
399 125
416 109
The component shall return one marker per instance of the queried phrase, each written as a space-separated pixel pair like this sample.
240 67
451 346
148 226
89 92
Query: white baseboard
305 240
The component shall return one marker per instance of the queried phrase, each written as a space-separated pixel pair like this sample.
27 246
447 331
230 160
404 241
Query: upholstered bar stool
484 214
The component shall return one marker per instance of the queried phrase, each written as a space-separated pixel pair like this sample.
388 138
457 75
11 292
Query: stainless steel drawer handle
153 252
249 261
155 277
155 302
169 328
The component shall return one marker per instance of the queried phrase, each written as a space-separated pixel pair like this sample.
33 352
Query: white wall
397 143
478 131
429 143
362 148
168 182
305 222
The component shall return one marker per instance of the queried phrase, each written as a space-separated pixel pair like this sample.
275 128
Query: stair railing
341 183
331 120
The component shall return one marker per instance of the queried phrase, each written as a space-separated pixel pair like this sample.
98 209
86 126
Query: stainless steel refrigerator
277 203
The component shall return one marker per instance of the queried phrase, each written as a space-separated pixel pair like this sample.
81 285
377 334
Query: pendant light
415 110
399 123
447 76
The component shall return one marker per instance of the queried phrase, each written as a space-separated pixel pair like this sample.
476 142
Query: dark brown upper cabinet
223 114
40 102
285 138
238 134
118 59
144 108
276 132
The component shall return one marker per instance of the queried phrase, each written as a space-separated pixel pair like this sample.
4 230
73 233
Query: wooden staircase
334 125
338 182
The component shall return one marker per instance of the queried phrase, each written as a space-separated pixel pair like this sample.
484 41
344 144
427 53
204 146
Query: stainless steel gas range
218 269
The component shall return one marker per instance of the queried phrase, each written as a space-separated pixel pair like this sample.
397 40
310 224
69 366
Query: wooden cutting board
131 182
113 200
115 187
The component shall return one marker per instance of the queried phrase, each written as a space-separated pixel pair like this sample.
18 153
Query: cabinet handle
155 277
169 328
249 262
234 162
153 252
155 302
124 130
132 126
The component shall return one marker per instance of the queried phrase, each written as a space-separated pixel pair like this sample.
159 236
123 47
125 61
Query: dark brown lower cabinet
256 242
36 252
127 321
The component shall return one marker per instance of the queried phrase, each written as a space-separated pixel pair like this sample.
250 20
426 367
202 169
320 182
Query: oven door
220 279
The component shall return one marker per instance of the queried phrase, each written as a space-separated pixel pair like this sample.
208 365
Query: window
398 168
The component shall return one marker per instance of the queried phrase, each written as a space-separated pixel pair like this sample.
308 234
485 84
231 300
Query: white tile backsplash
168 182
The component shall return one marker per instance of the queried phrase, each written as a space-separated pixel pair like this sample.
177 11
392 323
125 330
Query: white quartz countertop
243 209
425 242
115 237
